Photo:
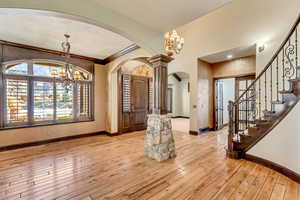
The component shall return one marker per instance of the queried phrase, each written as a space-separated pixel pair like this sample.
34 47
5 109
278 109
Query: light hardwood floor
103 167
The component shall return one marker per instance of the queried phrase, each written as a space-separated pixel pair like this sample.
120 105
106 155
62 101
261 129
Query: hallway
102 167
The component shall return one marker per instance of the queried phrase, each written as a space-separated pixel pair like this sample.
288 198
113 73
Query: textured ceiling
165 14
48 32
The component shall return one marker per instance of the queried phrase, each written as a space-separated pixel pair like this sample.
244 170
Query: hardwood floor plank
268 187
279 189
298 192
291 190
233 184
257 184
102 167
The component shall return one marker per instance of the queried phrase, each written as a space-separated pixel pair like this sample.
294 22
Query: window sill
45 124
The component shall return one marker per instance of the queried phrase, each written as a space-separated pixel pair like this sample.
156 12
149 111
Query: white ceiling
236 53
163 15
48 32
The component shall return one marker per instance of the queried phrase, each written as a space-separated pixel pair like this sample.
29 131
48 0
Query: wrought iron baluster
231 126
259 99
240 117
277 80
271 86
246 117
266 108
283 72
296 43
237 118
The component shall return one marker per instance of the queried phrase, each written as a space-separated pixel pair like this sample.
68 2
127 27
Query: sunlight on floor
181 124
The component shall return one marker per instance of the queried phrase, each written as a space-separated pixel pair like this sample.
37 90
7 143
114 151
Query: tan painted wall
236 67
205 95
24 135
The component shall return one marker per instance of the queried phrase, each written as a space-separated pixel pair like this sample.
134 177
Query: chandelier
173 43
68 75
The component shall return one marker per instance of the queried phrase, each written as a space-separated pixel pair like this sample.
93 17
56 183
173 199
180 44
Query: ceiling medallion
67 74
173 43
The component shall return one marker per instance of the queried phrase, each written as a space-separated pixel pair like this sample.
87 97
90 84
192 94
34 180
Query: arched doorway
134 95
179 100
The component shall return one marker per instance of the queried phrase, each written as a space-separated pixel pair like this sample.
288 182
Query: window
64 102
43 93
21 68
32 97
16 101
44 69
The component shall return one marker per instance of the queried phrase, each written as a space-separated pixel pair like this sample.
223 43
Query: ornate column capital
160 82
160 58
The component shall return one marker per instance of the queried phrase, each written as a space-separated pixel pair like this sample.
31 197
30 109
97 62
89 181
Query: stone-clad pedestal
159 140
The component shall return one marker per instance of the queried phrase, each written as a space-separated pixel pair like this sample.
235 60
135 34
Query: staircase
268 99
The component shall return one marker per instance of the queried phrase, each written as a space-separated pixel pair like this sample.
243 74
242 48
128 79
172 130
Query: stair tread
285 92
268 112
278 102
294 79
261 121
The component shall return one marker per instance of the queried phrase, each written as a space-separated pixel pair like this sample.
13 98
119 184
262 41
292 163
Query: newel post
159 140
231 126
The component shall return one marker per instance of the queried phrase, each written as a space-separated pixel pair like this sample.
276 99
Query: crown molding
123 52
24 46
95 60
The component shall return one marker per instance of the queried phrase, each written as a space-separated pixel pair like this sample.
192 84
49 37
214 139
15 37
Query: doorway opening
135 95
225 90
178 100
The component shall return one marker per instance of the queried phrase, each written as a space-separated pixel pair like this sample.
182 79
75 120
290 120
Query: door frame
214 92
120 101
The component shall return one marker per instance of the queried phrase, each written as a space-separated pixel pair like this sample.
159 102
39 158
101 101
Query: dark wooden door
135 103
139 102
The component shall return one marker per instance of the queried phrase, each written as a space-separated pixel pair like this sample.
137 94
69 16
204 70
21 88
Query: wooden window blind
16 100
83 99
126 92
43 106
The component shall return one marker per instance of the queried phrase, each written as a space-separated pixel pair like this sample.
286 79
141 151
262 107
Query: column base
159 140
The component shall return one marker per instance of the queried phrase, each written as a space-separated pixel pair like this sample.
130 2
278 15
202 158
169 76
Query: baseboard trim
175 117
283 170
201 131
113 134
205 130
194 133
53 140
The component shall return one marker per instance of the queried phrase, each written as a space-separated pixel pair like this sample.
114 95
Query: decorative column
159 140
